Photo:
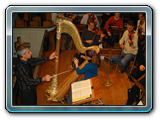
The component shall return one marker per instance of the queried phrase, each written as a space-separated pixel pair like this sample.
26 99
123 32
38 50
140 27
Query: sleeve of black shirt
24 76
96 40
34 62
83 36
142 62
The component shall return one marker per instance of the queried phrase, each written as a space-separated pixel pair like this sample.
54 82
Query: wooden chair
48 16
141 87
25 17
37 19
21 23
46 23
34 23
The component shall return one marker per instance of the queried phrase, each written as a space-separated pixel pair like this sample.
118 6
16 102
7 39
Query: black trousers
28 97
134 92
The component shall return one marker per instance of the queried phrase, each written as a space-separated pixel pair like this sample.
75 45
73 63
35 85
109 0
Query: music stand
117 31
96 92
109 52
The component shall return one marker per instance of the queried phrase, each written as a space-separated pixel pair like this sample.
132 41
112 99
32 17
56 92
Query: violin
69 15
95 30
98 32
131 36
92 17
140 31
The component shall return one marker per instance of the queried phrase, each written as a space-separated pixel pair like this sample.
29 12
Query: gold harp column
52 90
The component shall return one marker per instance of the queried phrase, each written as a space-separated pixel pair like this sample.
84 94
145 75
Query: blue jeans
69 97
123 61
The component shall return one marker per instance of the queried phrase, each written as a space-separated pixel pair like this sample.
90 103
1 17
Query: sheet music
81 90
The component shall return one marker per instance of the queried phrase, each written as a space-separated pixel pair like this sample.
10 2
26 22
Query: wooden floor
113 95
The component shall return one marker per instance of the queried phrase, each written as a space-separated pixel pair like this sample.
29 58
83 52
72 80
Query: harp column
52 90
59 28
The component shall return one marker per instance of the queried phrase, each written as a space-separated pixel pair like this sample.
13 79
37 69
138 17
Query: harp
57 92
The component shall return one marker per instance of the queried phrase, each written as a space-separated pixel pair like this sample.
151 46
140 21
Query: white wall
32 35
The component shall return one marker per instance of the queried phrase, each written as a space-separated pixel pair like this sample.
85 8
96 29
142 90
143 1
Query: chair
34 23
141 95
25 17
134 60
20 23
37 19
46 23
48 16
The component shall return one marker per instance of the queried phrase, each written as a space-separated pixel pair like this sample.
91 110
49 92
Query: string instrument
74 19
109 27
97 32
131 36
69 15
140 30
57 91
92 16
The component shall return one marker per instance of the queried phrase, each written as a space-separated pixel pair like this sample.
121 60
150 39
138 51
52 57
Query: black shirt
104 18
88 35
24 75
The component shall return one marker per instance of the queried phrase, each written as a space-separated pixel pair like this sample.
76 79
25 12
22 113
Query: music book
81 90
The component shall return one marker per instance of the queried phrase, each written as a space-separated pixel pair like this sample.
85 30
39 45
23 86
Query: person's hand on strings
75 60
53 55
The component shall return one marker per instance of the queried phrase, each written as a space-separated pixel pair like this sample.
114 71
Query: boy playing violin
129 45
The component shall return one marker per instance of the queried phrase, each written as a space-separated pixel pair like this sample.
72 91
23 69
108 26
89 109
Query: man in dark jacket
26 82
